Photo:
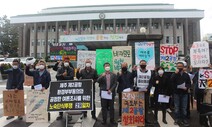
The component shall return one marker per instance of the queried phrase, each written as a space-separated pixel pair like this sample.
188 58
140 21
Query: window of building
39 29
32 29
32 43
38 44
178 25
167 39
53 28
97 27
167 25
85 27
43 42
74 28
179 39
155 25
49 28
42 29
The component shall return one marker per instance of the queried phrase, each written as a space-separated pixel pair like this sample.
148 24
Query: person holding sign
41 77
160 82
143 83
89 73
65 72
181 83
15 80
125 80
107 82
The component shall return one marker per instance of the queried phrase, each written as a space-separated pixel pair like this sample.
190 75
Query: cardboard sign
205 79
199 54
168 57
37 106
28 80
133 109
103 56
13 103
145 51
71 96
121 54
82 56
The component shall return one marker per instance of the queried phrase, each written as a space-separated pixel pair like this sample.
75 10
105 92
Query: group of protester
137 79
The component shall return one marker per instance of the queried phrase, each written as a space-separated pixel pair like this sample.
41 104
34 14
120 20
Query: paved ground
87 122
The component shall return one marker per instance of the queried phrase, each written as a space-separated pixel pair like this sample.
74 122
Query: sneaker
59 117
185 123
10 117
20 118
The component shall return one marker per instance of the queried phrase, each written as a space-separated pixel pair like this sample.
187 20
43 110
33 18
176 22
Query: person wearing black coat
160 82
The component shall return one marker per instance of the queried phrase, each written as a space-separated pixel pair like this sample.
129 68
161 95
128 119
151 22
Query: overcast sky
19 7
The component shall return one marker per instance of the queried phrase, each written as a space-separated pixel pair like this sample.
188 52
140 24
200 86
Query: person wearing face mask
143 83
125 80
65 72
107 82
15 80
181 83
89 73
58 64
160 82
40 76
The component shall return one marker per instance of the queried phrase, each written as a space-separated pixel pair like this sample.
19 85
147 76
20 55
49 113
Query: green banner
103 56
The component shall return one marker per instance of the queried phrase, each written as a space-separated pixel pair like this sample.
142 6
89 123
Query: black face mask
180 69
143 66
124 69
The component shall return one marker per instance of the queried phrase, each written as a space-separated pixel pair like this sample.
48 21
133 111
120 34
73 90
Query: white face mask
15 67
66 64
37 67
107 68
41 67
87 64
160 72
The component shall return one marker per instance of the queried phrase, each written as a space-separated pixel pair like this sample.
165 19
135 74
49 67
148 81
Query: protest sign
205 79
71 95
133 109
103 56
13 103
199 54
28 80
82 56
168 57
37 106
145 51
58 50
121 54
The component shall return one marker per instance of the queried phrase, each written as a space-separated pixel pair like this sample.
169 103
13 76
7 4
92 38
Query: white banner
145 51
199 54
84 55
121 54
37 106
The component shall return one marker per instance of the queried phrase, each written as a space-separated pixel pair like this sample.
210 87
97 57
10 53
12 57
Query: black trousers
200 97
157 106
105 103
120 104
146 105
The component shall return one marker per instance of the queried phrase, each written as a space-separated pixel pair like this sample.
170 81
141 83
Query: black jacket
125 80
163 86
70 73
84 74
178 79
55 68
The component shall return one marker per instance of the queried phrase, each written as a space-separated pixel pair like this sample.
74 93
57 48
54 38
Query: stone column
198 30
114 26
126 26
67 27
174 31
56 32
150 26
46 40
186 43
78 27
20 41
102 26
162 29
35 39
91 27
138 25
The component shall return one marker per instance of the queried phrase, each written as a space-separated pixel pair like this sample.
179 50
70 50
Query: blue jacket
44 79
11 84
